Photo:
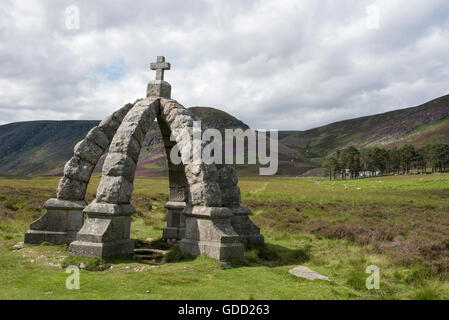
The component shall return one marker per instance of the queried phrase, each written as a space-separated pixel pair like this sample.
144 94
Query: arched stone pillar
208 226
175 229
204 209
64 214
248 232
107 229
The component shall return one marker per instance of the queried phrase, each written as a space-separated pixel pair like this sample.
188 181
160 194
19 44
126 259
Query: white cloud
273 64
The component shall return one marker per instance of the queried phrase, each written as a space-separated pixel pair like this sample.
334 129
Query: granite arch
63 216
194 191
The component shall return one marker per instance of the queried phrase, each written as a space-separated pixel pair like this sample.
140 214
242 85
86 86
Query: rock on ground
306 273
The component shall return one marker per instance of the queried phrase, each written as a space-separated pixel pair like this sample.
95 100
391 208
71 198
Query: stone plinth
59 224
209 231
176 227
105 232
175 230
159 88
248 232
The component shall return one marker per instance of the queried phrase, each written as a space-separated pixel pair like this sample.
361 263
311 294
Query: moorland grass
338 228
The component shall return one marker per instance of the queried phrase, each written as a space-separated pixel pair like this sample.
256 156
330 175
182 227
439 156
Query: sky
274 64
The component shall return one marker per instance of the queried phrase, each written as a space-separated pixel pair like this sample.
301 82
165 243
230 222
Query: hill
39 146
421 125
42 147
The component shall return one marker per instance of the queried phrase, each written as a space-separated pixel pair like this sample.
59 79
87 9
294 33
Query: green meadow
338 228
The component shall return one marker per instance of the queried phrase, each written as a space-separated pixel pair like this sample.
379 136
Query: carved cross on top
160 66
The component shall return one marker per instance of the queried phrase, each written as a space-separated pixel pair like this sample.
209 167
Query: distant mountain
39 147
42 147
427 123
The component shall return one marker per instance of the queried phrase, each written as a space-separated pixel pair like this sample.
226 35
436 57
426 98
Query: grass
337 228
86 263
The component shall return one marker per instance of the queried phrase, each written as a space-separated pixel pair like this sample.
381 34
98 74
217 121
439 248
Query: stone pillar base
209 231
101 250
175 230
59 224
39 236
248 232
105 232
159 88
216 250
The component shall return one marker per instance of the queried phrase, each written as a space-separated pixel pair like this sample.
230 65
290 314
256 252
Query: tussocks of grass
357 279
409 233
263 252
176 255
417 275
173 281
90 264
398 223
429 292
272 255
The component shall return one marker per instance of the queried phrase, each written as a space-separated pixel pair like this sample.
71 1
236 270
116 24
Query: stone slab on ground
306 273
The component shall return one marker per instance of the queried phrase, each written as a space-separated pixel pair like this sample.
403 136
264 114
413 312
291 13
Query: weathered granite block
98 209
128 129
116 190
78 169
64 217
209 231
109 126
177 177
159 88
143 113
175 230
227 175
118 164
177 194
230 196
101 250
182 120
88 151
200 173
71 189
59 224
106 231
206 194
105 228
126 145
97 136
120 114
248 232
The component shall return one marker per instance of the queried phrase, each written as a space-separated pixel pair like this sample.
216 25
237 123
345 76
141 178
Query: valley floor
338 228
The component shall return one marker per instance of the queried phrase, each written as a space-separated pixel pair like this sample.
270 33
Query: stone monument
204 214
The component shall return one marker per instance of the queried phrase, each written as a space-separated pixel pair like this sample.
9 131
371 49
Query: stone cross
160 66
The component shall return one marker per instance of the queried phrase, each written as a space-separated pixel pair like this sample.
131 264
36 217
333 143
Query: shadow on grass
163 253
158 244
265 254
172 254
271 255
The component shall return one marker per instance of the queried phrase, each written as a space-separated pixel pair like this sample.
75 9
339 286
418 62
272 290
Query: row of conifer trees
351 162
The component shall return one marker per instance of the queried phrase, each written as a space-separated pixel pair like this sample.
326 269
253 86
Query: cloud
273 64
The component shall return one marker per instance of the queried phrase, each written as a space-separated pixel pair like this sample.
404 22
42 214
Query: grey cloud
273 64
